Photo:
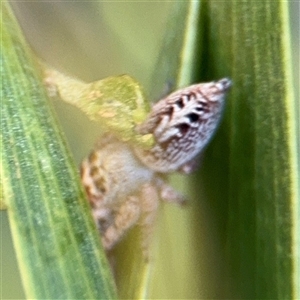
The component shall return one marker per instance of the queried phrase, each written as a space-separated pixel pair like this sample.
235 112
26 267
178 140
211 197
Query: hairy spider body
182 124
125 183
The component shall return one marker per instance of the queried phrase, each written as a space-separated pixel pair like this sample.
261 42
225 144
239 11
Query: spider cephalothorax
182 125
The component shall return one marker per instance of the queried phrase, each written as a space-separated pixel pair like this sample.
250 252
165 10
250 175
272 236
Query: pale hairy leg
149 205
124 218
168 194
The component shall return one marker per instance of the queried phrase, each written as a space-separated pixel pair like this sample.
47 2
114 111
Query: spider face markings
182 124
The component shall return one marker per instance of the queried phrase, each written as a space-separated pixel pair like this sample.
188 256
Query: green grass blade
56 242
181 50
256 146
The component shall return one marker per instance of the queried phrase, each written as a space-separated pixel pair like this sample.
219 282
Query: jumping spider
125 183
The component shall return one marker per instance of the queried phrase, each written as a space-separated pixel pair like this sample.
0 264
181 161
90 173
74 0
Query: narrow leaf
253 160
57 246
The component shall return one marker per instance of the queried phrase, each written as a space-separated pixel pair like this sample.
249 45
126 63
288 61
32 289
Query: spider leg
149 205
168 194
124 218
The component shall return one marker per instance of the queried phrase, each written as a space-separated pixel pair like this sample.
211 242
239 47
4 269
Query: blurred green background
93 40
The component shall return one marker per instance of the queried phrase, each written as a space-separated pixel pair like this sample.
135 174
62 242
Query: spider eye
179 103
183 128
193 117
